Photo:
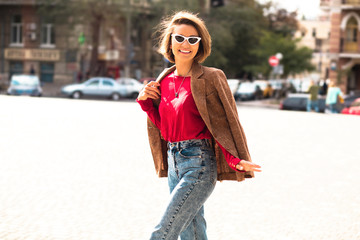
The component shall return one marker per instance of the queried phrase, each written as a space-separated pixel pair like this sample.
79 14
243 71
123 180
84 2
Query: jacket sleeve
152 112
227 99
230 159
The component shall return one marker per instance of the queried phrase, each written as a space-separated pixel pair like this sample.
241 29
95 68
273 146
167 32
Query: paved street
82 170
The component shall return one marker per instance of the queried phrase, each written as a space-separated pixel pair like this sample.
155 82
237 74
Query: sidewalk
52 89
265 103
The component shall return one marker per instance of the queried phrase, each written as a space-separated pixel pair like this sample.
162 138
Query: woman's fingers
249 166
152 94
151 90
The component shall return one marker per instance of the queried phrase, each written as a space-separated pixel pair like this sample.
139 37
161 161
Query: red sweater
178 118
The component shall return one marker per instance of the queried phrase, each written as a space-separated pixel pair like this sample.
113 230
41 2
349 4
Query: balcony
348 46
349 49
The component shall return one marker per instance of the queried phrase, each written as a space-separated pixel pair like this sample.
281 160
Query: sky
309 8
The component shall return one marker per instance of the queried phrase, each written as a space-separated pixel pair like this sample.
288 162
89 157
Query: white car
22 84
234 85
132 87
95 87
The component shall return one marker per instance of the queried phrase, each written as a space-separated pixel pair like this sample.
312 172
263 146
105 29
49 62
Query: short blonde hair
166 27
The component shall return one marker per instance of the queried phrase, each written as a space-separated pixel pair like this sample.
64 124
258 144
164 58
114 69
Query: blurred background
283 44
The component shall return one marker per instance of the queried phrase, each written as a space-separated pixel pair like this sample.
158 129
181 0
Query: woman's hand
151 90
244 165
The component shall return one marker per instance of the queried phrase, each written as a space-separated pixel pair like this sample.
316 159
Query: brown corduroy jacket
217 108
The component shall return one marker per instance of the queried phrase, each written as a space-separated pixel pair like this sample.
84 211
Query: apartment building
29 43
344 50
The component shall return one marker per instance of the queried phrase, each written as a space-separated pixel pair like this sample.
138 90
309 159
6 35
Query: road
82 170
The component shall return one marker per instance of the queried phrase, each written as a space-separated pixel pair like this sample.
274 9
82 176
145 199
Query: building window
16 68
351 32
47 72
16 30
318 45
47 35
314 32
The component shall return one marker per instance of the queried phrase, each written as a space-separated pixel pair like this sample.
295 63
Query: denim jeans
333 108
192 174
312 105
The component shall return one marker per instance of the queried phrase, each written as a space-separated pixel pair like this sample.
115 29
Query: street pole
2 45
128 41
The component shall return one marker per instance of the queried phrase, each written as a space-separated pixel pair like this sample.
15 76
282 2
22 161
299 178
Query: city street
82 170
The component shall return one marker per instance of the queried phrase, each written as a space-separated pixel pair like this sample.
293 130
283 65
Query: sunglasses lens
193 40
179 39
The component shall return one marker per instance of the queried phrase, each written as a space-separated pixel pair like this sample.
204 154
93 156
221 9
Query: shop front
40 62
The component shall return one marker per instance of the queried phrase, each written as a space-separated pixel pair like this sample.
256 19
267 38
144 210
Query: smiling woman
194 133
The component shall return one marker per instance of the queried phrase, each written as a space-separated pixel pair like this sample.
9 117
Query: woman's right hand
151 90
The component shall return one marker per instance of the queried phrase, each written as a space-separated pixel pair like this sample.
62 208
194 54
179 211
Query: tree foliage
235 29
295 59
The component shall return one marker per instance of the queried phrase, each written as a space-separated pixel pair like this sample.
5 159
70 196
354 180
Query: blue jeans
333 108
192 174
312 105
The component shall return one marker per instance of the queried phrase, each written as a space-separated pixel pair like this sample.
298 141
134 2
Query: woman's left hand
244 165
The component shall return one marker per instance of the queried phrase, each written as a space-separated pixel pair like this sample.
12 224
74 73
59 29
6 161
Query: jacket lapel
198 89
165 73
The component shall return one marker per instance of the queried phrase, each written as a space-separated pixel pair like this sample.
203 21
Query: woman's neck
183 69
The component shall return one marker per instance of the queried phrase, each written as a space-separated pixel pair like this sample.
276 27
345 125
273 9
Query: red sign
273 61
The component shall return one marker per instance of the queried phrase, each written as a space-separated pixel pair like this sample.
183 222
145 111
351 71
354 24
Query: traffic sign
273 61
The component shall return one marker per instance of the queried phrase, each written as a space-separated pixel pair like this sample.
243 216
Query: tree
282 22
295 59
235 29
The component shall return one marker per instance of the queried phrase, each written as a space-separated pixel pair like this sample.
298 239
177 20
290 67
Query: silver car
131 85
95 87
22 84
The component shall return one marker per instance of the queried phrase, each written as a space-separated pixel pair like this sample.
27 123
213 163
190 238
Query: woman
194 131
333 97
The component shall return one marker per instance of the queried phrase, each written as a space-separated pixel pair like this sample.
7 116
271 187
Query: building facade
29 44
344 43
315 34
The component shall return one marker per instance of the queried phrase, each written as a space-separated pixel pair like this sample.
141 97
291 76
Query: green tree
235 29
281 21
295 59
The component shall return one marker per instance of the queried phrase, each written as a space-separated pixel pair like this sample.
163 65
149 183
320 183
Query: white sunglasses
191 40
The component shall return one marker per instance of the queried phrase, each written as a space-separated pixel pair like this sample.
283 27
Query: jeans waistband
189 143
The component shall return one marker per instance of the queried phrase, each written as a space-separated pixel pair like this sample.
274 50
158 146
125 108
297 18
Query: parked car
298 102
132 87
95 87
349 99
234 85
22 84
248 91
353 109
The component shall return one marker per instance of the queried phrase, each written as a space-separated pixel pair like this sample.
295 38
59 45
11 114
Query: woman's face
184 51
